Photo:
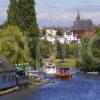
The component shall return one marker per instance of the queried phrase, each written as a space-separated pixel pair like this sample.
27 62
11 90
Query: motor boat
63 73
49 69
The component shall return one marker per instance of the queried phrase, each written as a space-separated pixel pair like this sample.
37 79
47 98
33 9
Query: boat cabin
50 69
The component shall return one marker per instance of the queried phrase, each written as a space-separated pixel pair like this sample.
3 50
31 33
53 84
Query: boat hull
64 76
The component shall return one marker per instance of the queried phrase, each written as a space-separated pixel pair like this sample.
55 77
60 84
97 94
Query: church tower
77 21
78 16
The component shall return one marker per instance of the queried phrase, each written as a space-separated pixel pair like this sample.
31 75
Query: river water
81 87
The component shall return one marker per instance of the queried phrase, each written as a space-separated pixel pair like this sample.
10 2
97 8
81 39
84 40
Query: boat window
48 67
53 66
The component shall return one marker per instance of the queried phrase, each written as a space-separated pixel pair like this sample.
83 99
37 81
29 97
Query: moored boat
50 69
63 73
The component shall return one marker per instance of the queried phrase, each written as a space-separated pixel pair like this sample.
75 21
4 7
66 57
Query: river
81 87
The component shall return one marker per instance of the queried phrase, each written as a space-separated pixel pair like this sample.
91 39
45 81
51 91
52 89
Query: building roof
82 24
85 25
6 66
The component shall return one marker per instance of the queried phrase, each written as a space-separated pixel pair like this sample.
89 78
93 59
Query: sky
60 12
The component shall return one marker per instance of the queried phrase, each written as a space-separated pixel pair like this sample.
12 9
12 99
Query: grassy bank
33 81
67 63
36 83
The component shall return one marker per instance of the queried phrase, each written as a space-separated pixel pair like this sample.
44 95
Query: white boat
93 73
49 69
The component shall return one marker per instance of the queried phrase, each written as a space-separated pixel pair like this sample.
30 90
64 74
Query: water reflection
82 87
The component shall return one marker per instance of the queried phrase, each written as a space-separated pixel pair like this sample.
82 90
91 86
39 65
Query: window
4 78
8 78
13 78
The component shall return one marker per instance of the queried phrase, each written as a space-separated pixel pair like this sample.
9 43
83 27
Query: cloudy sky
60 12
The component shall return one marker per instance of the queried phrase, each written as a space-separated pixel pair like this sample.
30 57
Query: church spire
78 15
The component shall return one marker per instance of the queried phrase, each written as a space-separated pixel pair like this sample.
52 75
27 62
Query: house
51 32
68 36
7 74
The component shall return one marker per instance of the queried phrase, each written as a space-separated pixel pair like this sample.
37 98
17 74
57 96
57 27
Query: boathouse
7 74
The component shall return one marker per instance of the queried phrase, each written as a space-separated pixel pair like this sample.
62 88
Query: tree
44 31
71 50
88 63
60 33
45 49
59 50
25 19
12 13
14 45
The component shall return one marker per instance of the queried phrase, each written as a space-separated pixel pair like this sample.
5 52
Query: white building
51 32
68 36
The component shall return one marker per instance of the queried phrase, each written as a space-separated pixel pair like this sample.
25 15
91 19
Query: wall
7 79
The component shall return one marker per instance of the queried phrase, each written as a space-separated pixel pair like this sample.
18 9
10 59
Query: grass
67 63
36 83
33 81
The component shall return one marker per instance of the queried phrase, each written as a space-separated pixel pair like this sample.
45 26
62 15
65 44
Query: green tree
12 13
71 50
14 45
24 16
88 63
59 50
60 33
44 31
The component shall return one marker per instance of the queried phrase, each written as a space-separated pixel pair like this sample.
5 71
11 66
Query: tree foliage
21 13
90 51
71 50
61 50
60 32
43 31
14 45
12 13
45 49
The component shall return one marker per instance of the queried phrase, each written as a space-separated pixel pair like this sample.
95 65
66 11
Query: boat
63 73
50 69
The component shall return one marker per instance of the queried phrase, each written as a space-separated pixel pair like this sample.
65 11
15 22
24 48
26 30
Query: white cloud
91 15
66 10
54 14
59 12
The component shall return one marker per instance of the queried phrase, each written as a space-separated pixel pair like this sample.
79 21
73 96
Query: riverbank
82 87
32 84
37 83
3 92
